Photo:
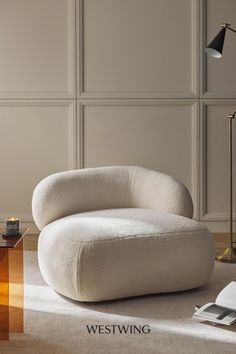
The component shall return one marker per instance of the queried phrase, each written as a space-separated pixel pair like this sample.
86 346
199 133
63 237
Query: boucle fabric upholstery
114 232
77 191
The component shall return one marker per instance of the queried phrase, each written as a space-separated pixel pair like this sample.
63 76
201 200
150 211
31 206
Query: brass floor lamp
215 49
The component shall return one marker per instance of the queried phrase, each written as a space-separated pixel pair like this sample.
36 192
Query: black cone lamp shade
215 48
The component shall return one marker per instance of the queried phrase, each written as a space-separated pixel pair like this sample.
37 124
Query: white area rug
54 325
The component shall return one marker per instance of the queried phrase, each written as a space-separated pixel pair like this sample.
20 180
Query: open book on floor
223 311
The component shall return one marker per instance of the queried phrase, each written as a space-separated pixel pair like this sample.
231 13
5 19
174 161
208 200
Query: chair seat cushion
115 253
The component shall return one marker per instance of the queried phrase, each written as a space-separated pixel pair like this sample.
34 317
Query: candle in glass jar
12 227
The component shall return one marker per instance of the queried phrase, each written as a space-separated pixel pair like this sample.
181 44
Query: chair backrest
77 191
154 190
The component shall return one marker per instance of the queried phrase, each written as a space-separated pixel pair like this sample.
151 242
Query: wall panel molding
205 214
28 157
226 65
81 119
193 92
202 54
74 91
67 92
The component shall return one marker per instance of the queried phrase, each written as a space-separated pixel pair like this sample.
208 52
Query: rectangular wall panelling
88 83
159 134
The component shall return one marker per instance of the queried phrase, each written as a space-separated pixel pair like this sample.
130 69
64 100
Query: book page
227 296
215 313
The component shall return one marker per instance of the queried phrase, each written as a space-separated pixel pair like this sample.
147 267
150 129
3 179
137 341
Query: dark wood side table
11 284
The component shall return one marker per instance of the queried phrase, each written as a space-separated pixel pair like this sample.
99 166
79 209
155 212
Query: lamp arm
228 26
231 29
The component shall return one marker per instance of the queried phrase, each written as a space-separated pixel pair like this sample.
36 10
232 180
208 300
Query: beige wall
101 82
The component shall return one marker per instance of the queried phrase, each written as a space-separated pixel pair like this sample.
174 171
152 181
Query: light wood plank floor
222 241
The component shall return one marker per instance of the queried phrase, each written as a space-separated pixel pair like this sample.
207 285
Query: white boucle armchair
119 231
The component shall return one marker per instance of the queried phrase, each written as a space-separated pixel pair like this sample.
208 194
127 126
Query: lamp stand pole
229 254
215 49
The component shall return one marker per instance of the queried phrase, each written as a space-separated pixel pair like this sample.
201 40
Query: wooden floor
221 241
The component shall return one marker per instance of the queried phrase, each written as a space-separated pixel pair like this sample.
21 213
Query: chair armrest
154 190
77 191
